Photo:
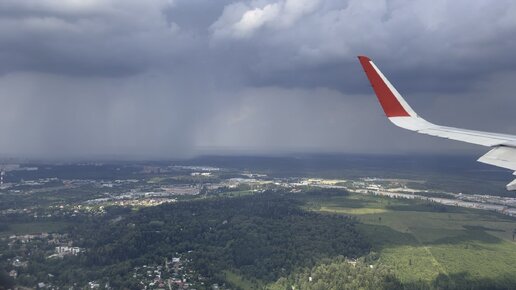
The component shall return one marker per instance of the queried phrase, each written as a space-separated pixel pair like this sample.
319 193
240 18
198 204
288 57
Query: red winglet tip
390 104
363 57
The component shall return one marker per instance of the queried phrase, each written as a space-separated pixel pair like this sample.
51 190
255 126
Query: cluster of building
24 239
62 251
59 245
180 190
174 273
397 188
143 202
140 197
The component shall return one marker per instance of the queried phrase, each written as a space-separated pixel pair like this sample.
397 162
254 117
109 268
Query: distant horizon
239 154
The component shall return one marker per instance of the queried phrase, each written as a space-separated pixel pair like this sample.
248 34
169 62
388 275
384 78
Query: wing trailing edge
399 112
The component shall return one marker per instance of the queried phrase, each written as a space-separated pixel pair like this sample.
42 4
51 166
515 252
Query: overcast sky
175 78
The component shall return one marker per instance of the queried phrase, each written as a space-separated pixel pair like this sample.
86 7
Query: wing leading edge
398 111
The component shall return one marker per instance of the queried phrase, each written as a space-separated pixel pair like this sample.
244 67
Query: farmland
424 242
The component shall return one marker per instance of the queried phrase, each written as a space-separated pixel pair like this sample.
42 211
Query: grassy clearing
419 242
32 228
236 193
354 211
240 282
157 180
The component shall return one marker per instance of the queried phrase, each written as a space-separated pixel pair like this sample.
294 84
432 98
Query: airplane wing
503 146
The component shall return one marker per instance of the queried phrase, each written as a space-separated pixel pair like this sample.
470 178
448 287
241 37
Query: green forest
261 237
316 239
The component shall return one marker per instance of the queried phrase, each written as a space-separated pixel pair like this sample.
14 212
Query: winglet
392 103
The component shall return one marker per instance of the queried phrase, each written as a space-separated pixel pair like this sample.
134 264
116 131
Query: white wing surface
503 146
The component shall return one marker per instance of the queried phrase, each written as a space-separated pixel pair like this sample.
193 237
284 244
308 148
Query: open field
33 228
240 282
421 242
236 193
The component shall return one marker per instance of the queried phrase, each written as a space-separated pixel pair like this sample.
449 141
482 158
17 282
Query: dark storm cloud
425 42
87 37
173 78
